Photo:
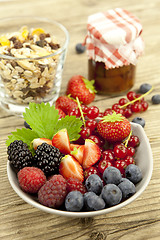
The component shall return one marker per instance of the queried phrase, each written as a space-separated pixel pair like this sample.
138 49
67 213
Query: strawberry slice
77 152
73 145
38 141
61 141
70 168
92 154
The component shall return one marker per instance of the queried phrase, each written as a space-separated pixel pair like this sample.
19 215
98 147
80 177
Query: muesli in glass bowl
32 54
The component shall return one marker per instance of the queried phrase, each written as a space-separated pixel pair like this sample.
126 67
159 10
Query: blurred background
73 15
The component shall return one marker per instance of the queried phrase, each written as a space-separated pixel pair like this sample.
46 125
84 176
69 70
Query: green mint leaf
26 135
72 124
42 118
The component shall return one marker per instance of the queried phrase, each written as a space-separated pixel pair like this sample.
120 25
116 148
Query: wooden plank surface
139 220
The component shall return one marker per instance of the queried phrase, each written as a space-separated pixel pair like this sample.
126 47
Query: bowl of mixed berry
74 161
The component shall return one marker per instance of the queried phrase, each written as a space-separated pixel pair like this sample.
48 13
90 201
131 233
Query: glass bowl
32 56
143 159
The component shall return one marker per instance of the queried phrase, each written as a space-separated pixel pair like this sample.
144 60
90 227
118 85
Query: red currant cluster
134 103
119 156
128 106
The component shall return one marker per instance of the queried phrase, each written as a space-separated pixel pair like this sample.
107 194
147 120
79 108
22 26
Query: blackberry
19 155
47 158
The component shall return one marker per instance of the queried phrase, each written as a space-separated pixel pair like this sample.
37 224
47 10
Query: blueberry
145 87
139 120
133 173
156 99
127 188
74 201
92 202
94 184
80 48
27 125
112 175
111 194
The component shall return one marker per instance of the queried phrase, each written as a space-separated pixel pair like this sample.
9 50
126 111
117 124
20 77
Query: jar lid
113 37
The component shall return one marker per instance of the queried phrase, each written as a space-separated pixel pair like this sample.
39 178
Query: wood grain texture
141 219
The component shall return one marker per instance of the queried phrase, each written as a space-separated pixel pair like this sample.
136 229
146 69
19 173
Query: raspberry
31 179
75 185
53 192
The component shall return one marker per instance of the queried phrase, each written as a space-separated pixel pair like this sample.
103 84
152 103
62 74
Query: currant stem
80 109
126 141
136 99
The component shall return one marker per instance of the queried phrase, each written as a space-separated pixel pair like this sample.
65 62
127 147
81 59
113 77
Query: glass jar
113 44
111 81
32 55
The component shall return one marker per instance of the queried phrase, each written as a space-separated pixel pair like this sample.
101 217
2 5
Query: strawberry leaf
114 117
26 135
90 85
72 124
42 118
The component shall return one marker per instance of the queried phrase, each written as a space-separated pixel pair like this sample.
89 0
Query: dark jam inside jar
111 81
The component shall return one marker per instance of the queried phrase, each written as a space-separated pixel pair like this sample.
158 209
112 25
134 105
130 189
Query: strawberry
38 141
92 154
114 128
70 168
82 88
66 104
61 113
77 152
61 141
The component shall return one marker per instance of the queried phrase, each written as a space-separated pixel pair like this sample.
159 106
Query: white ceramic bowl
143 159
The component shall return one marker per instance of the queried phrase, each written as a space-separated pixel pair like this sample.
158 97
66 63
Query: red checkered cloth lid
113 37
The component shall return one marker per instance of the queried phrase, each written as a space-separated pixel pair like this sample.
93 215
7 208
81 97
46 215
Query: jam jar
113 44
111 81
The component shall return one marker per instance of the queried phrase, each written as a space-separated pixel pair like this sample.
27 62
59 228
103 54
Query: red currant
115 106
133 141
108 155
130 151
122 101
103 164
136 107
92 124
129 160
95 139
121 165
119 110
84 109
90 171
144 105
74 112
131 95
85 132
92 112
108 111
120 151
100 115
127 112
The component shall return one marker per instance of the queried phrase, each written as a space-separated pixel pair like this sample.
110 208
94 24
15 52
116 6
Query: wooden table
139 220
